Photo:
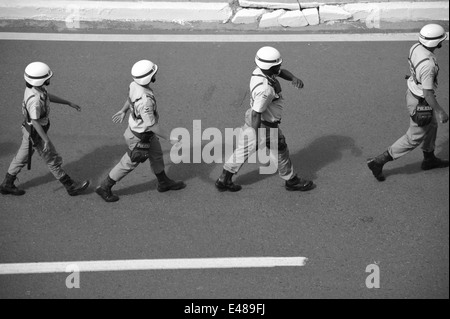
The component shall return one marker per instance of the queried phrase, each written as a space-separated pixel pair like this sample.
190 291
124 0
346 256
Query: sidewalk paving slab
231 14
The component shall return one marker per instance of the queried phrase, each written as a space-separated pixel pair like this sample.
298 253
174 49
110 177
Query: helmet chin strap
266 72
270 72
153 80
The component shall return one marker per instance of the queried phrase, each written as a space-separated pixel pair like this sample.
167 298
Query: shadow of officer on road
93 164
317 155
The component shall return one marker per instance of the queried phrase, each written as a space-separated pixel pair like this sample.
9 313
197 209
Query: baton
30 149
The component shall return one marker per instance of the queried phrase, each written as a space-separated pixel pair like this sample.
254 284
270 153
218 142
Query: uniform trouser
415 134
51 157
247 145
126 166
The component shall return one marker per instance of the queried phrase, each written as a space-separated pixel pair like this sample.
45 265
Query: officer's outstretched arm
430 97
288 76
119 116
57 99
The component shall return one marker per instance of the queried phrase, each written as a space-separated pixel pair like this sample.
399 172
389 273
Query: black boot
298 184
430 161
8 187
104 190
224 183
166 184
73 188
376 165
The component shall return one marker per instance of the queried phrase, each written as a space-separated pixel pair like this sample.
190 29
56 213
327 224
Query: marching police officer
422 105
266 106
36 111
141 135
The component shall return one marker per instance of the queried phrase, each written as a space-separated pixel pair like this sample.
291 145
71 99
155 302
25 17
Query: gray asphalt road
352 107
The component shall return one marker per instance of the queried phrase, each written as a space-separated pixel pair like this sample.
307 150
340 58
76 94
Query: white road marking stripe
365 37
151 264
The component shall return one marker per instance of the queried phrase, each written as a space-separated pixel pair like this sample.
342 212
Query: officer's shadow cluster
315 156
312 158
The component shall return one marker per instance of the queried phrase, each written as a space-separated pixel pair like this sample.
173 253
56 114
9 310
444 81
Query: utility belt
271 124
144 137
414 79
141 151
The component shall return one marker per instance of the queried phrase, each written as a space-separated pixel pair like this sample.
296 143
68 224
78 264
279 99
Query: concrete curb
239 12
53 10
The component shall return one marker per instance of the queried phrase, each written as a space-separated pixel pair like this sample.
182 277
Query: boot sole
224 189
163 190
228 189
302 188
9 193
110 200
427 168
430 168
80 190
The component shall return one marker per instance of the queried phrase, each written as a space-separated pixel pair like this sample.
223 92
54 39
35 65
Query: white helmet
37 73
267 57
431 35
143 71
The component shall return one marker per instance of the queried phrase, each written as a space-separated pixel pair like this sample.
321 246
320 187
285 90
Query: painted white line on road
366 37
151 264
